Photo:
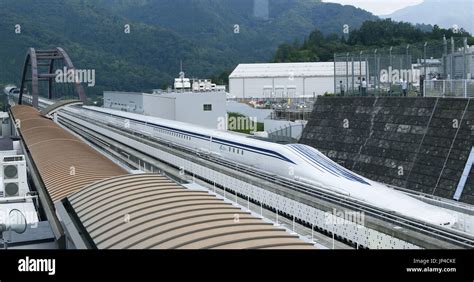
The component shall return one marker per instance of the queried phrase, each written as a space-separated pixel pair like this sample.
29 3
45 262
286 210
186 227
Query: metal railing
379 72
462 88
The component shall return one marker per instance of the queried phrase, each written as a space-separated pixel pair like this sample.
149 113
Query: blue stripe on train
326 164
254 149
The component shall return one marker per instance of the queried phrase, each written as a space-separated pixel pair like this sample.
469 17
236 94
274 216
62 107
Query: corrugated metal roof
148 211
289 70
284 70
65 163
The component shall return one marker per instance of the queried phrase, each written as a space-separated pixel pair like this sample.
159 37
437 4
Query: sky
378 7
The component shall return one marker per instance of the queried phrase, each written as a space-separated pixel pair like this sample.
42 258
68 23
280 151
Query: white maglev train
295 161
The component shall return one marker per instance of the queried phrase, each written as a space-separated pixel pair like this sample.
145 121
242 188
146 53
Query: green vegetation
372 34
201 33
162 32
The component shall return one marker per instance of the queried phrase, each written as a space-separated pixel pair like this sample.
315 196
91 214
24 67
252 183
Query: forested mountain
202 33
263 24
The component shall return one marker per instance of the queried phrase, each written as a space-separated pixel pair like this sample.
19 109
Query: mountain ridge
444 13
201 34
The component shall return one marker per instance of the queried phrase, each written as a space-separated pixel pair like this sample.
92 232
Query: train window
207 107
242 152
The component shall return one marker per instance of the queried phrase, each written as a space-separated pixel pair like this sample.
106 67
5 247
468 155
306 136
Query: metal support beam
45 58
464 176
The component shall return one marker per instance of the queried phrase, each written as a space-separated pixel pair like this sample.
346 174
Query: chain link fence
449 88
405 70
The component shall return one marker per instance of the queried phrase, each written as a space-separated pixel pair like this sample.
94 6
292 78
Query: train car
298 162
11 90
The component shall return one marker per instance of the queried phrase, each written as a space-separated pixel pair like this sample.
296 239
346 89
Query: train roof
233 136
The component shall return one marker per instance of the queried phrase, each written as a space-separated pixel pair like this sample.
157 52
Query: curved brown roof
149 211
66 164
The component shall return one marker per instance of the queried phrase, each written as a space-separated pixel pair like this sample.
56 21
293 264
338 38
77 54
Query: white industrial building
200 108
281 80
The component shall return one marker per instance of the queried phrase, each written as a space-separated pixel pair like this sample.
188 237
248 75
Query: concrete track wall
421 144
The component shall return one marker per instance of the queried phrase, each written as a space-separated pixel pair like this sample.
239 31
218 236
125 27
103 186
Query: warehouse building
200 108
282 80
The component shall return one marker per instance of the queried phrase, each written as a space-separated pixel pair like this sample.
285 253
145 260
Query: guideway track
451 236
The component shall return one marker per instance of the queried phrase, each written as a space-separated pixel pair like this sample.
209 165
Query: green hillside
163 32
372 34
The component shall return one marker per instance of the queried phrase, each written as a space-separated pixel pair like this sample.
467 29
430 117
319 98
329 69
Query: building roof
149 211
283 70
65 163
